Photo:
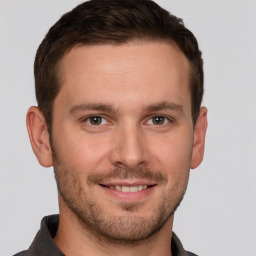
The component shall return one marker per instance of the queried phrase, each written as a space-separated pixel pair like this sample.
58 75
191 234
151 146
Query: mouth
128 189
125 192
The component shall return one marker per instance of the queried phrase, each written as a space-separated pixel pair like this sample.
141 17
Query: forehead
138 68
114 58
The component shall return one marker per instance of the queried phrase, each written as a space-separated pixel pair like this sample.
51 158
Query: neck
73 238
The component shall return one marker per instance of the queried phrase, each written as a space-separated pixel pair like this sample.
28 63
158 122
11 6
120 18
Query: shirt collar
43 243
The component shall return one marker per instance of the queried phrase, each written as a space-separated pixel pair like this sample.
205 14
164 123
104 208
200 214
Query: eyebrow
109 108
164 106
92 106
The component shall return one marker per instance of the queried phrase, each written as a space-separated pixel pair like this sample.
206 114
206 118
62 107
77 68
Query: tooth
134 189
119 188
129 189
125 189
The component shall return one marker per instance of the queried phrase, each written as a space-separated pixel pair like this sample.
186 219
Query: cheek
173 156
173 149
80 151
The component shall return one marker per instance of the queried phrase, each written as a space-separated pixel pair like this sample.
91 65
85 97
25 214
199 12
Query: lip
128 196
128 183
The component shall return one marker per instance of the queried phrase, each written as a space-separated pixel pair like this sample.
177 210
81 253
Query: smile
128 189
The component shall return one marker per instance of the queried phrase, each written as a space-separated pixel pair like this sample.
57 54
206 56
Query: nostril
129 151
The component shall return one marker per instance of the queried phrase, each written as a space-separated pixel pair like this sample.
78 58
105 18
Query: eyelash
166 120
87 119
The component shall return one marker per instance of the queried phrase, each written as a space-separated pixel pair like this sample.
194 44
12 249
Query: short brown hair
112 22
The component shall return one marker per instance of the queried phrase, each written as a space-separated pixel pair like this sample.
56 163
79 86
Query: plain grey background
217 216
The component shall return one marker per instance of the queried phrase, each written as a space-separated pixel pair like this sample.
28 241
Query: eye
158 120
96 120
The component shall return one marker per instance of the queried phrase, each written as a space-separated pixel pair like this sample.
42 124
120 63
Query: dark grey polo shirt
43 244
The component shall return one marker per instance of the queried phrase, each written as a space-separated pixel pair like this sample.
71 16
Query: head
113 22
119 85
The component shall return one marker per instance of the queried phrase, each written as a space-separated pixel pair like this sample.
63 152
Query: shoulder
191 254
23 253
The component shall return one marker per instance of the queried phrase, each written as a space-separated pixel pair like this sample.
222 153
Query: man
119 85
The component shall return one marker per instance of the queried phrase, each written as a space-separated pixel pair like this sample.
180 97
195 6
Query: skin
128 88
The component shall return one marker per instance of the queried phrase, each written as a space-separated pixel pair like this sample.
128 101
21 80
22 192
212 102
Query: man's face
123 136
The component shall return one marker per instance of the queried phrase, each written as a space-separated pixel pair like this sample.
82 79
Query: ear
199 139
39 136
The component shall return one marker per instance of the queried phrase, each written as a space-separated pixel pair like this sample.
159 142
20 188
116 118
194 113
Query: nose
129 148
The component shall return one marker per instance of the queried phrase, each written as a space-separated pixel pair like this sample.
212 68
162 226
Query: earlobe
199 139
39 136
